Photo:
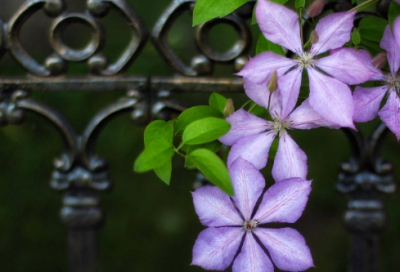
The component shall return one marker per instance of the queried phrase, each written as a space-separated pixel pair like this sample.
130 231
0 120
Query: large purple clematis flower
330 96
368 100
251 137
216 246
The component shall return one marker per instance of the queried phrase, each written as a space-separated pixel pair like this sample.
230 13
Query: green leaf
205 130
371 28
155 154
213 146
193 114
218 102
264 45
355 37
299 4
205 10
213 169
394 12
372 47
164 171
159 130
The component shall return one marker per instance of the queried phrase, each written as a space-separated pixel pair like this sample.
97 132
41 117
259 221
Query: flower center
249 225
393 81
306 59
280 126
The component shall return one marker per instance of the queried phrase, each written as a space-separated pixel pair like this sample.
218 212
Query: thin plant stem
364 5
245 104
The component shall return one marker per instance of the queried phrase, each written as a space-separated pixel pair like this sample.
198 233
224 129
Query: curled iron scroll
92 131
203 63
66 162
53 8
98 63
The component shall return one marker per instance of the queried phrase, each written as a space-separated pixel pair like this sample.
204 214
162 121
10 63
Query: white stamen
306 59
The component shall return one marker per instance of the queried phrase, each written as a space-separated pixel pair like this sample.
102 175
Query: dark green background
150 227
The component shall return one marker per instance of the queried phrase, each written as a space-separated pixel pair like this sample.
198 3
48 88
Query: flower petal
248 184
287 247
390 113
215 248
333 31
258 93
304 117
279 24
396 28
331 98
215 208
289 87
347 65
252 258
253 149
260 68
290 160
243 124
284 201
367 102
392 49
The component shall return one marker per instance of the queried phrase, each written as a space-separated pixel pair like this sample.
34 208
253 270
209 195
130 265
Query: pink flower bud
315 8
314 38
273 82
379 60
229 109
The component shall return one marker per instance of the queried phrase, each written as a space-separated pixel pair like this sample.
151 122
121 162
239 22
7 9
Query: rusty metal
81 175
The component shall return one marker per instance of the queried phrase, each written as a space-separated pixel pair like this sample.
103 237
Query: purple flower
330 96
216 246
251 137
368 100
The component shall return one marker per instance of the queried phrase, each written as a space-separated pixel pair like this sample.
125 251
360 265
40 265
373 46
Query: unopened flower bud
314 38
229 109
273 82
379 60
315 8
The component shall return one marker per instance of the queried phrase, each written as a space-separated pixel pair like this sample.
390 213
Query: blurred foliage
150 227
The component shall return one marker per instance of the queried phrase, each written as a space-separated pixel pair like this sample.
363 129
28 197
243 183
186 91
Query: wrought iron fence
80 174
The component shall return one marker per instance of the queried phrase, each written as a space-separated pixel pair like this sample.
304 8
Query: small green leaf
394 12
193 114
164 171
205 10
355 37
218 102
299 4
264 45
205 130
371 28
213 169
155 154
213 146
159 130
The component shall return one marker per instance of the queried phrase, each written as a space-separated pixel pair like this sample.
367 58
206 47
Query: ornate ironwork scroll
81 175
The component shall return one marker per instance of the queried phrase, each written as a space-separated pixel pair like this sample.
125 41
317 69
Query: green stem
269 103
364 5
252 108
301 26
179 153
245 104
